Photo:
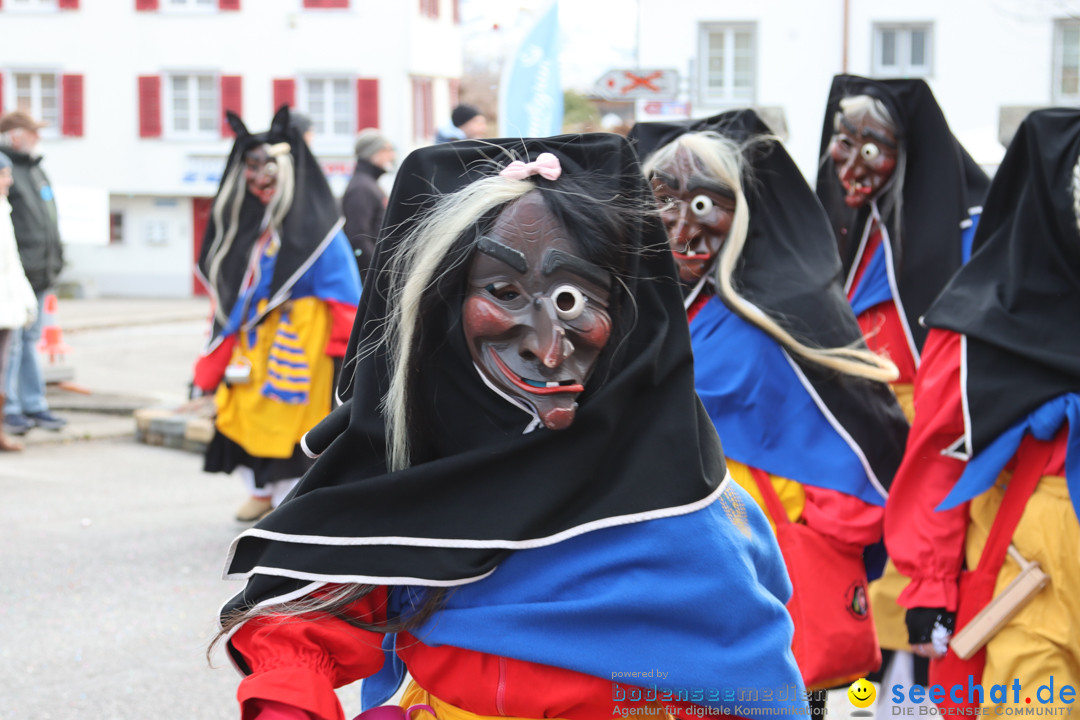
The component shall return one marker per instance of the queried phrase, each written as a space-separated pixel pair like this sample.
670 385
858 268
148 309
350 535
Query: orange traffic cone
52 338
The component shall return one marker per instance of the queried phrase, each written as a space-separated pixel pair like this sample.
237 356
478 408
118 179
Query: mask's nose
547 339
852 169
686 228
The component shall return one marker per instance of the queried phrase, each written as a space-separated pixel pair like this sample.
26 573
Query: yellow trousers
1043 639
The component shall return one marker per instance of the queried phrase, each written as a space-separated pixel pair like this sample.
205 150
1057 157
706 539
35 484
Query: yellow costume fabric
290 384
1043 639
791 493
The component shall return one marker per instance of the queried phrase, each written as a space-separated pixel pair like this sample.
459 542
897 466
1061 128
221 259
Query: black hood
305 232
790 269
1018 298
941 184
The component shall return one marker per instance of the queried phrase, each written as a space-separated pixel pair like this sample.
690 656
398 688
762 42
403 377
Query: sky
598 35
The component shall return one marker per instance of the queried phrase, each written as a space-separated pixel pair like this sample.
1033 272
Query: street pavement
124 354
110 576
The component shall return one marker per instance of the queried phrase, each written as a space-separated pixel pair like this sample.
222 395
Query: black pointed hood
305 232
1018 298
790 269
941 184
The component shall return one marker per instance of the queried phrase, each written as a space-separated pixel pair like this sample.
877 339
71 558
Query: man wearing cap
364 200
33 215
466 123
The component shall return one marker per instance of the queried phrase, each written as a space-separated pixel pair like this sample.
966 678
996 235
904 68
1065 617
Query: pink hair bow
546 166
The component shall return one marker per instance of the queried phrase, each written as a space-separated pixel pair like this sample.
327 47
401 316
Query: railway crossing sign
639 83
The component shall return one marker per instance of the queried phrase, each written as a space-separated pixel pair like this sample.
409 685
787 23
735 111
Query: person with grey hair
37 232
18 304
364 201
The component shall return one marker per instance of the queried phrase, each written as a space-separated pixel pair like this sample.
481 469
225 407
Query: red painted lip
518 383
853 188
264 194
692 258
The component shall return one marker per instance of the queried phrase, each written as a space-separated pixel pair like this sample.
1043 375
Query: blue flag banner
530 93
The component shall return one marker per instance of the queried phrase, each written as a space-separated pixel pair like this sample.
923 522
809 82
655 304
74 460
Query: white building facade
135 92
987 61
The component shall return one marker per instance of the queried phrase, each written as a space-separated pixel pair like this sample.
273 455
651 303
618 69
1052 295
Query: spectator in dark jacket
33 215
364 200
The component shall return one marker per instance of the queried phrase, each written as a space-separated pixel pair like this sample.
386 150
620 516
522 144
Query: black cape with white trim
641 446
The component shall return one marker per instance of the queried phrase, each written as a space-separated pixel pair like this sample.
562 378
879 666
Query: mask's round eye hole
569 302
870 151
701 205
271 168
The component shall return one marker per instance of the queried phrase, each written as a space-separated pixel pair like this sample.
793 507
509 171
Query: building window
1067 61
728 63
39 95
30 5
329 102
189 5
191 106
903 50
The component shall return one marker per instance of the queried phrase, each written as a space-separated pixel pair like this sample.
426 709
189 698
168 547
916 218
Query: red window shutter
284 93
149 106
146 4
327 4
367 103
232 98
455 92
68 4
457 12
423 110
228 4
71 98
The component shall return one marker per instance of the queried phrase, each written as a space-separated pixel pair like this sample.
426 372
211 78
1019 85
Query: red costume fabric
881 324
926 545
299 664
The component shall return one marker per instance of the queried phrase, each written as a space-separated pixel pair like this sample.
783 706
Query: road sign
635 83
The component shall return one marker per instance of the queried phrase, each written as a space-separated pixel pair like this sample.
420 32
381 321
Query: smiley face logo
861 693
